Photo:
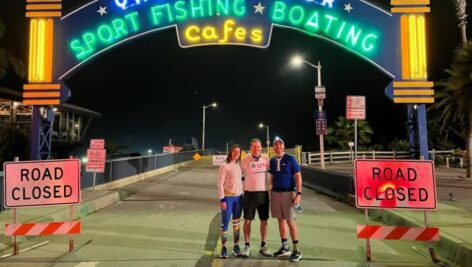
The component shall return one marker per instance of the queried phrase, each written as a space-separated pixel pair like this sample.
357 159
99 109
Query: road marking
88 264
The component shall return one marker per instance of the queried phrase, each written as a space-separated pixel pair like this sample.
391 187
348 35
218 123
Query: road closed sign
40 183
395 184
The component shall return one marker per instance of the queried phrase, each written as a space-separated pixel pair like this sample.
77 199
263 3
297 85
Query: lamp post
203 131
261 125
297 61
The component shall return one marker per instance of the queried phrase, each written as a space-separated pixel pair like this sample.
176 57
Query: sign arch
392 40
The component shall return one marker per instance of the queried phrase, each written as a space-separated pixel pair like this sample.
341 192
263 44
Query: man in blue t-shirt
286 193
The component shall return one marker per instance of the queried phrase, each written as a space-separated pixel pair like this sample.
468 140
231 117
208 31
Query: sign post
41 183
355 110
396 184
96 156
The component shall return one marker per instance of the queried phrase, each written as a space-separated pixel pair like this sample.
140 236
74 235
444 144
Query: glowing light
41 45
417 47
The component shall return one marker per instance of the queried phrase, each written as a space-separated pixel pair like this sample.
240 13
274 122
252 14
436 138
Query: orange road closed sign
40 183
395 184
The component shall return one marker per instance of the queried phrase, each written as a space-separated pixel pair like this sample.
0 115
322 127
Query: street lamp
297 61
149 151
261 125
203 131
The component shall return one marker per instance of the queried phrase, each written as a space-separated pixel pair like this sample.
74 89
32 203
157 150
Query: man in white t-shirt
256 195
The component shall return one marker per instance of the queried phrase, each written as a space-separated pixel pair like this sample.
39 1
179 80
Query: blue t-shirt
283 177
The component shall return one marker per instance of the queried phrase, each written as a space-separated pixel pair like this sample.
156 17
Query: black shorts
256 201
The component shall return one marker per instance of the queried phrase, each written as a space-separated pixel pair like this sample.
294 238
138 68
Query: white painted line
88 264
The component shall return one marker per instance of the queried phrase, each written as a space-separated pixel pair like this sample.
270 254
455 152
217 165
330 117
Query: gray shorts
281 205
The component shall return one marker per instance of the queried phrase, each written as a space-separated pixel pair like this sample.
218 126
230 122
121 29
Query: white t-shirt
255 173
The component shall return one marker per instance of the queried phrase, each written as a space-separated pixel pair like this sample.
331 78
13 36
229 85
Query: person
230 189
286 193
256 196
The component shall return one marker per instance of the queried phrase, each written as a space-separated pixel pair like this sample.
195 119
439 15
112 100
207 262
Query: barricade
42 183
395 184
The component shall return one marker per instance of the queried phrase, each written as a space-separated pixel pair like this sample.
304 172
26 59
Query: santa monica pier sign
355 25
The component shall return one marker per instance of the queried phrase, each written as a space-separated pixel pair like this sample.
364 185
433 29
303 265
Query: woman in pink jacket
230 189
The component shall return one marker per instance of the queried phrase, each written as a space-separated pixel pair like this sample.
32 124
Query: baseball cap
278 139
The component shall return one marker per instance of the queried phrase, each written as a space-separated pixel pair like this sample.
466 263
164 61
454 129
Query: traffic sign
97 143
320 92
395 184
355 107
321 127
43 182
219 160
96 160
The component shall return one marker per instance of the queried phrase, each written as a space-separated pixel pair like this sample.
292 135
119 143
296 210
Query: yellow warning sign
197 156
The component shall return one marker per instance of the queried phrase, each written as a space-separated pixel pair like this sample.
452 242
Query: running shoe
282 252
224 253
246 251
296 255
236 251
265 251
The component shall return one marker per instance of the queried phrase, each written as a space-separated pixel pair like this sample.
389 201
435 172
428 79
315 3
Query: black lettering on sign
376 172
365 193
25 197
411 174
35 174
58 173
67 190
36 192
423 194
13 193
411 193
400 175
24 174
47 174
57 191
47 192
388 174
401 194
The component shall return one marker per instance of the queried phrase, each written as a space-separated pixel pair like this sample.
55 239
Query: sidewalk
91 201
453 217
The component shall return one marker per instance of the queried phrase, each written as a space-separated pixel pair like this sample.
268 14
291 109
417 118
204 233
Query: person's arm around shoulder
298 181
221 189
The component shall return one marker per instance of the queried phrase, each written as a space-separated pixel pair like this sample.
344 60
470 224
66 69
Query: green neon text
318 22
105 34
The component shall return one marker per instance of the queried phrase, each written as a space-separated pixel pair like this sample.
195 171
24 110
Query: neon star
348 7
328 2
259 8
102 10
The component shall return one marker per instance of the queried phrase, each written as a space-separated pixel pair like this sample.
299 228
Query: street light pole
299 61
203 130
267 136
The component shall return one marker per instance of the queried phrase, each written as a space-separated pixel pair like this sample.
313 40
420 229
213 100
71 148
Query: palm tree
342 133
7 60
455 100
462 18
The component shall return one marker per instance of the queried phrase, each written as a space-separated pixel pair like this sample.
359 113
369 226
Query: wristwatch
299 193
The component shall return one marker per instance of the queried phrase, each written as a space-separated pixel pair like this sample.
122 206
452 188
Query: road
173 220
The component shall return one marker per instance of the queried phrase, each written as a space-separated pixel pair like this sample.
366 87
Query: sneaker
236 251
282 252
224 253
296 255
246 251
265 251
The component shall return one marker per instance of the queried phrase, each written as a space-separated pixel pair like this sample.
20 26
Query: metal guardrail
348 156
116 169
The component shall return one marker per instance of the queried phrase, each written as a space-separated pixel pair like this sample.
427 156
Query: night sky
150 90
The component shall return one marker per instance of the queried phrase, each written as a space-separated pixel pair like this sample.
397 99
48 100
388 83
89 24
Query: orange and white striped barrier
397 233
54 228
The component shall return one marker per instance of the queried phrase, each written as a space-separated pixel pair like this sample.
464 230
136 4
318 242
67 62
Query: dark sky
149 89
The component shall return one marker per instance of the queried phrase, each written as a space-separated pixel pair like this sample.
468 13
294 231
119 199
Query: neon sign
103 24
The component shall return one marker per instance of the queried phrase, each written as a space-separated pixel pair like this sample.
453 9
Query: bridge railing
439 157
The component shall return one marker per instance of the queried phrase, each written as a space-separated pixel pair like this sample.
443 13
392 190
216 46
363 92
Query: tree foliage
342 132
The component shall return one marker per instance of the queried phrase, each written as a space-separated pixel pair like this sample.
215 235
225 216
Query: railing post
447 162
330 156
433 155
309 157
373 154
461 162
394 154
